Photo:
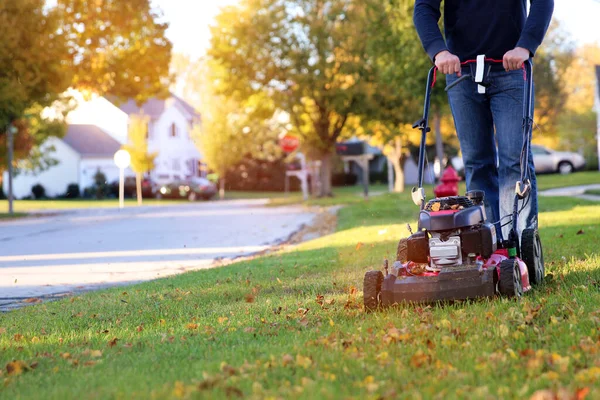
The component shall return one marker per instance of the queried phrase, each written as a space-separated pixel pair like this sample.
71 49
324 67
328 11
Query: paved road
88 249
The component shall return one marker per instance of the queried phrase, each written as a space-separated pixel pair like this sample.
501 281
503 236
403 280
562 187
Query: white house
597 103
97 128
169 135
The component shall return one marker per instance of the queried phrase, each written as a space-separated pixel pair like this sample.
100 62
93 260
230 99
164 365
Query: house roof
155 107
91 141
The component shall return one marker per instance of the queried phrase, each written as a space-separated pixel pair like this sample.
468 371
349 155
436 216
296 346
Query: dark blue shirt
490 27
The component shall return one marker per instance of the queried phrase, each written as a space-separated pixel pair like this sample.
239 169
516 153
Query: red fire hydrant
449 185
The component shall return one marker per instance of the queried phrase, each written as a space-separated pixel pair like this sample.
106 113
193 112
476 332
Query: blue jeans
490 131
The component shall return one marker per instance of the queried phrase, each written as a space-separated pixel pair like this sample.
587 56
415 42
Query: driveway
83 250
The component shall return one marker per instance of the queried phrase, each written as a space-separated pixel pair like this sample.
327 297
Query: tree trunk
325 176
439 145
396 159
138 187
222 188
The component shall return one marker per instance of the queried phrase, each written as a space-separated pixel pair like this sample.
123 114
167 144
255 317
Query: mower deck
455 283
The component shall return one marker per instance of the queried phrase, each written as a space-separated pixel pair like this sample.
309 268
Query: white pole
11 132
121 187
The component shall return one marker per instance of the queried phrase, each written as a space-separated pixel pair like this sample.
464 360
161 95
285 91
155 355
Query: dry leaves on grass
16 367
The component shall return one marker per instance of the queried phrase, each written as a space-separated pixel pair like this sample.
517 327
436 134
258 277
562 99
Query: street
89 249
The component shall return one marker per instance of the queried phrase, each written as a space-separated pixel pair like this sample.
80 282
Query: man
500 30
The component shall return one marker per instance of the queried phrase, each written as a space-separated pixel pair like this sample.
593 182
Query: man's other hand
515 58
447 63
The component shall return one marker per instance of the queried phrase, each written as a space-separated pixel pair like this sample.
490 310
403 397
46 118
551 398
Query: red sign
289 143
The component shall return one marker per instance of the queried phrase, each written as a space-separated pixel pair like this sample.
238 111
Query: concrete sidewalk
573 191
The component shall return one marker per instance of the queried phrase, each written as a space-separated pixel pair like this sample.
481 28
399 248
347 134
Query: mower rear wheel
372 290
533 255
510 284
402 251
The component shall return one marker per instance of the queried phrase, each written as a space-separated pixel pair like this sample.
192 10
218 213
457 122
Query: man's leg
506 98
475 128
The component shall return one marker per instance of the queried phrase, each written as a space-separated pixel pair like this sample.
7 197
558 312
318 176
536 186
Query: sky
190 20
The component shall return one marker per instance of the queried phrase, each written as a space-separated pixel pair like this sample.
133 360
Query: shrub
100 184
38 191
73 191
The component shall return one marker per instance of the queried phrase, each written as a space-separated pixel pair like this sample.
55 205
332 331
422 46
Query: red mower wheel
510 284
372 290
533 255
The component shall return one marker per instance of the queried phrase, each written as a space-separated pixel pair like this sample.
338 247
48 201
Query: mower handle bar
423 125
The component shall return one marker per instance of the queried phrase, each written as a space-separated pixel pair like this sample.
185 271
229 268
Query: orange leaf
358 246
33 300
113 342
582 393
140 328
249 298
192 326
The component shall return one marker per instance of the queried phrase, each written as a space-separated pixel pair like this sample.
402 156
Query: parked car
191 189
564 162
545 161
130 190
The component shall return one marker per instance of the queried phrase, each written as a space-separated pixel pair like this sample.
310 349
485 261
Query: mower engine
452 231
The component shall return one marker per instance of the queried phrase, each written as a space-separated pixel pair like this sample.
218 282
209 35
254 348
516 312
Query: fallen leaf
419 359
580 232
66 355
16 367
192 326
96 353
162 322
435 207
222 320
2 330
113 342
249 298
249 329
580 394
33 365
304 362
232 391
140 328
358 246
17 337
89 363
287 359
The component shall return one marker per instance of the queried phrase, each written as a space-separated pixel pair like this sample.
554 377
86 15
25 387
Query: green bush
73 191
38 191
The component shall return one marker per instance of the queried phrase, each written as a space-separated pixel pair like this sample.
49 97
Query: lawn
593 192
291 325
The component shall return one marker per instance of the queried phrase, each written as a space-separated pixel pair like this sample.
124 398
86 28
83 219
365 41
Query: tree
141 160
117 47
309 56
107 46
33 73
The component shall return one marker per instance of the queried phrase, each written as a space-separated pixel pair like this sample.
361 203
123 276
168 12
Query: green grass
551 181
291 325
7 216
593 192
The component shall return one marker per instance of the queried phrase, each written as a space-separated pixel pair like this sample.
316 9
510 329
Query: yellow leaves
35 339
331 323
590 375
96 353
16 367
445 324
222 320
383 358
192 326
562 363
370 384
394 335
304 362
162 322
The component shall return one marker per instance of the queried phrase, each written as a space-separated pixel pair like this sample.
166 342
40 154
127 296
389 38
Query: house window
173 131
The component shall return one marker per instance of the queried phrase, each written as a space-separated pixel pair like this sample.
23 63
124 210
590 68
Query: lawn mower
455 253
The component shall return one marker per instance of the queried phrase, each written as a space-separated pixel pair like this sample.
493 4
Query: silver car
545 161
